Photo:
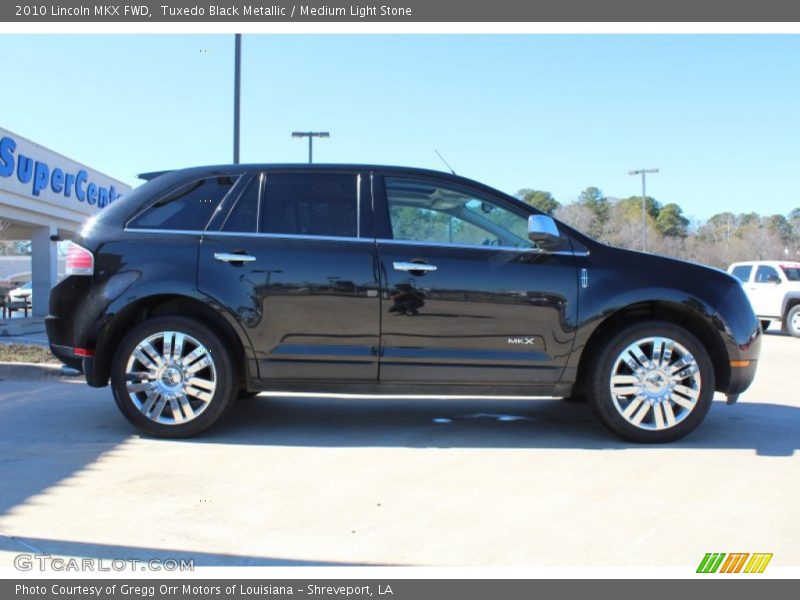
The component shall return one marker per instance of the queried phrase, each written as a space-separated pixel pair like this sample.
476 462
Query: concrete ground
343 481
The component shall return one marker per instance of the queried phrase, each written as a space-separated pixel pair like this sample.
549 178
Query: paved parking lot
332 480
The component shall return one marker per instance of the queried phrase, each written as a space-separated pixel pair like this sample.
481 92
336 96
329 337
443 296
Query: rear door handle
411 266
229 257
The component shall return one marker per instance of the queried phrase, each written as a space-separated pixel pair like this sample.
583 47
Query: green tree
671 222
779 225
593 199
540 200
633 204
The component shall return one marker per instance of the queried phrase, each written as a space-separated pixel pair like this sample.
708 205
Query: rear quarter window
186 208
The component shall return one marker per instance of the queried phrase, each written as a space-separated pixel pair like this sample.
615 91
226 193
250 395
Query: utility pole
237 85
643 173
310 135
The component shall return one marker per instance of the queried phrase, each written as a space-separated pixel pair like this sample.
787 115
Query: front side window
187 208
319 204
431 213
742 272
767 274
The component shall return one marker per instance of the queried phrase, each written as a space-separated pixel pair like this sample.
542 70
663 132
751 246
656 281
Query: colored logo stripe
758 563
710 562
734 562
713 562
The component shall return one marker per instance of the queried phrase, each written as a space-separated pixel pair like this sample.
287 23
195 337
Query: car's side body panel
320 310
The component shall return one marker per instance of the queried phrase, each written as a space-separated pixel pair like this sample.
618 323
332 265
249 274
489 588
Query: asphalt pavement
336 480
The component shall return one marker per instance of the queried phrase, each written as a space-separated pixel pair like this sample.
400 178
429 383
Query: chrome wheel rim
655 383
795 324
170 378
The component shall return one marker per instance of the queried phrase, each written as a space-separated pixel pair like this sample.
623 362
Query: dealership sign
42 175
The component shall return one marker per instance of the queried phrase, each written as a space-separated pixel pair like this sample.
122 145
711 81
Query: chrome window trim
477 247
262 184
358 204
291 236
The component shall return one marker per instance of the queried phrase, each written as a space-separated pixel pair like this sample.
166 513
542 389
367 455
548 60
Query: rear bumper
66 354
741 378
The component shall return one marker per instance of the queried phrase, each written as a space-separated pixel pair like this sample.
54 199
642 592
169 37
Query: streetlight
643 173
237 84
310 135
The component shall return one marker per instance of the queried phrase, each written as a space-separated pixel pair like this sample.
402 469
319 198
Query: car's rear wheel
793 321
652 382
172 377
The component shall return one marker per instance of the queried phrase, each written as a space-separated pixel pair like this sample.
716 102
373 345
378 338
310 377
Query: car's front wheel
172 377
652 382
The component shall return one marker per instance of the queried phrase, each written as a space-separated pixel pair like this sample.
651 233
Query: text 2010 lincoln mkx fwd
208 284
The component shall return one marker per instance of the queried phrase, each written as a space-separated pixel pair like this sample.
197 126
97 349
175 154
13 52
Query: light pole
237 84
310 135
643 173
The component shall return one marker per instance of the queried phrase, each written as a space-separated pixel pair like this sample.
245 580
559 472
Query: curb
38 372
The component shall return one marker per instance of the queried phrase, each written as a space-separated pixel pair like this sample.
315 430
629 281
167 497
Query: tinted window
765 274
243 217
792 273
426 212
310 204
187 208
742 272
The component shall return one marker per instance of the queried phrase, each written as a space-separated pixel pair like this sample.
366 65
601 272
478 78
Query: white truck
773 287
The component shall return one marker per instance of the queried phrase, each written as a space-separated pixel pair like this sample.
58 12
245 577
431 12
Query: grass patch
29 353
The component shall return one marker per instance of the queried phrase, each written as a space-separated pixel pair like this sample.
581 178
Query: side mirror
543 230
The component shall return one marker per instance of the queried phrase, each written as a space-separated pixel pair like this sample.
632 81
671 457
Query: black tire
793 321
222 371
765 325
599 381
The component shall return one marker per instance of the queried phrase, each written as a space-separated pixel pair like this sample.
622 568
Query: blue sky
718 114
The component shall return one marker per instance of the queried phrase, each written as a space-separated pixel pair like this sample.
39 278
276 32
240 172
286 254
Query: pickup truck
773 288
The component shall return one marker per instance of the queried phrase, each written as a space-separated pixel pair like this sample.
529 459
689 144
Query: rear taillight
79 260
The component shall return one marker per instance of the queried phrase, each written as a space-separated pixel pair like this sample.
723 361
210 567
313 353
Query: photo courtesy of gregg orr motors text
187 589
211 10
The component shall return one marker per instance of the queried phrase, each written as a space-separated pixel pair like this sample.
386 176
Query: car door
293 260
766 292
466 298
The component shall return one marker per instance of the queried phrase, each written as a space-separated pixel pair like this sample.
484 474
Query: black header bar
408 11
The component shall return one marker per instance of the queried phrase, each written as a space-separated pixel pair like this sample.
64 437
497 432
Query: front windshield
792 272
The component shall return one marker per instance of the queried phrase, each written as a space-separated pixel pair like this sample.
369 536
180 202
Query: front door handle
412 266
229 257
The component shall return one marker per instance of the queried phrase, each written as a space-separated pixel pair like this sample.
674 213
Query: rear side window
188 208
324 204
742 272
243 217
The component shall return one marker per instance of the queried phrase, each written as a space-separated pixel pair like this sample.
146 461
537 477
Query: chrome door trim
412 266
231 257
476 247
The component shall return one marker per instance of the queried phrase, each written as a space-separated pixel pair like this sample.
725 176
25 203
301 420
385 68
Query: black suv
208 284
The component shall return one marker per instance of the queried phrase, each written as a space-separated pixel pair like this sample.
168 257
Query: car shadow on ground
326 421
168 560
